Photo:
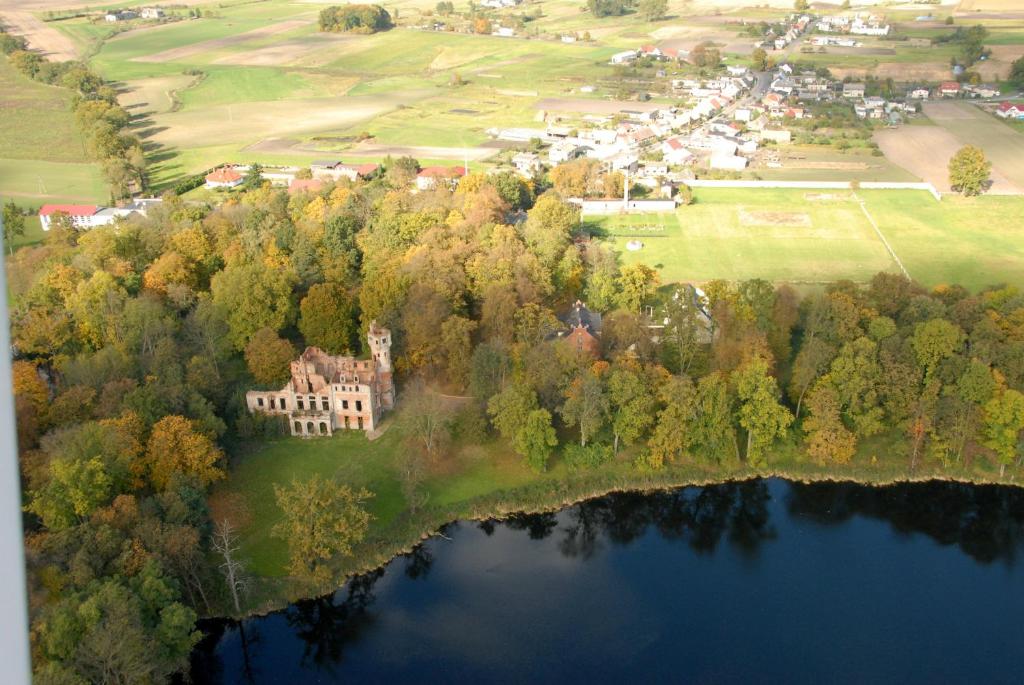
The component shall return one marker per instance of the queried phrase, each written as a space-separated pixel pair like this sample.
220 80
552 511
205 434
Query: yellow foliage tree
176 449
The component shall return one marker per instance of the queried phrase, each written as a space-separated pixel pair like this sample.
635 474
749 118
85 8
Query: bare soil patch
228 41
308 51
769 218
40 35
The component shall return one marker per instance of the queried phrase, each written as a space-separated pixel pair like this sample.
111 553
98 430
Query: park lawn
973 242
34 182
36 121
347 456
777 235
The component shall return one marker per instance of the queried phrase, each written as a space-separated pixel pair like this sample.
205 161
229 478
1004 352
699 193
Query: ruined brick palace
328 392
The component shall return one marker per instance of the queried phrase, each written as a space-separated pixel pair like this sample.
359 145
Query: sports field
807 237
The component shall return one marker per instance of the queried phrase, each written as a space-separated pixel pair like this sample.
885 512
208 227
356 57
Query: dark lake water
762 581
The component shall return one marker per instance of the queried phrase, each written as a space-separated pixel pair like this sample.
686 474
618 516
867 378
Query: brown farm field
925 150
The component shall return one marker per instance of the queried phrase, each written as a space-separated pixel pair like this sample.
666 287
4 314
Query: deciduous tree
969 171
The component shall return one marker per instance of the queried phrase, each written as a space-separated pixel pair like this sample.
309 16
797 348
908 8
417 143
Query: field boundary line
878 231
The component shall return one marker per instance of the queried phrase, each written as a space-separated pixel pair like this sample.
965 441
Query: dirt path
42 36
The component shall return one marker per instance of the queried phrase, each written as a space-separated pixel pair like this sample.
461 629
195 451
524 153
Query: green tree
251 297
535 439
328 318
14 224
322 520
672 438
712 427
801 5
510 407
652 10
759 59
1004 421
632 404
637 284
934 341
969 171
1017 73
586 404
760 412
269 357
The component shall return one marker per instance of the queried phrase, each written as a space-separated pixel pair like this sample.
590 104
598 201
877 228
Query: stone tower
380 346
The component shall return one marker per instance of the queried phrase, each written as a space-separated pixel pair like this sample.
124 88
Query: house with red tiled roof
80 216
1009 110
430 177
948 89
224 177
332 170
305 185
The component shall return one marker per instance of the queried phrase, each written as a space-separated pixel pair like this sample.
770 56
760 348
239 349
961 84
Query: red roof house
225 177
430 176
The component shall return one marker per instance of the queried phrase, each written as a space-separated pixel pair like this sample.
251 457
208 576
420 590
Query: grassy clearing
819 236
34 181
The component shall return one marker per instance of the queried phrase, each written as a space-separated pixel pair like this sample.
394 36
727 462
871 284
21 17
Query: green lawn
35 121
33 182
800 236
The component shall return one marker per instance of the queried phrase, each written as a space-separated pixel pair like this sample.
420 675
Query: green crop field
802 236
33 182
36 120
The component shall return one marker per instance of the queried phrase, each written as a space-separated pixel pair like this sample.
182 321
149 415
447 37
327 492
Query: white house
84 217
433 176
728 162
1009 110
674 152
152 13
120 15
526 163
853 90
624 57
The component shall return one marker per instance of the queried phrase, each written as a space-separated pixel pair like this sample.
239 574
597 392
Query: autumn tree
760 412
637 284
269 357
510 407
671 438
177 450
759 59
828 441
969 171
328 318
322 521
632 403
251 297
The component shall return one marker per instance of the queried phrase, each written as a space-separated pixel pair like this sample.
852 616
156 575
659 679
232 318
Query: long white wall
818 185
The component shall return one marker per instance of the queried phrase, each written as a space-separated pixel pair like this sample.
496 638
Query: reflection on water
762 580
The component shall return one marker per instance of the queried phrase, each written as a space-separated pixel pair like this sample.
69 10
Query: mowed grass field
811 237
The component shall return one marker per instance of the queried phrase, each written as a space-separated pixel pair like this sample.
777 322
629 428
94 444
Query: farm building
84 217
335 170
949 89
853 90
224 177
526 163
328 393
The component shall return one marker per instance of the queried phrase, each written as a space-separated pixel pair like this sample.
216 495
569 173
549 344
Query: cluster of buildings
129 14
795 26
323 171
864 24
84 217
651 51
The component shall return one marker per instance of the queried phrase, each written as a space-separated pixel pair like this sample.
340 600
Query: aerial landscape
515 340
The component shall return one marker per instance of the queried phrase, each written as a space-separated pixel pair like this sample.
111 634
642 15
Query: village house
674 152
527 164
1009 110
919 93
335 170
583 330
152 13
949 89
853 90
328 393
870 27
224 177
982 90
305 185
624 57
433 176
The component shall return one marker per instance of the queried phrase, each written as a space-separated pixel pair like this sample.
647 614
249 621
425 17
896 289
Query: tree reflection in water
985 521
326 625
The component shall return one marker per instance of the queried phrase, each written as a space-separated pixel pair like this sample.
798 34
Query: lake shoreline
387 548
